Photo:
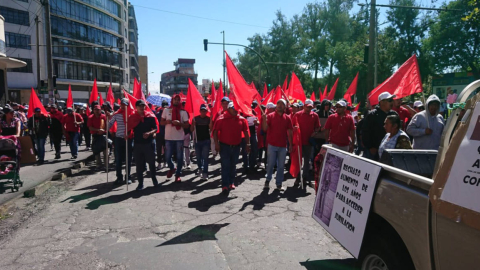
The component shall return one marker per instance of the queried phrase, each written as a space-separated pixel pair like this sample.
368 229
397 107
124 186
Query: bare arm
327 134
192 126
18 128
264 123
165 122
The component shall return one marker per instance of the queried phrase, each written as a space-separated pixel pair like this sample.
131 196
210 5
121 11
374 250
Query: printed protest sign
344 197
463 183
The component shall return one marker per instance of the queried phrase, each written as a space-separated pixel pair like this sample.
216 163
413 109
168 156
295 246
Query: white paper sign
344 197
463 183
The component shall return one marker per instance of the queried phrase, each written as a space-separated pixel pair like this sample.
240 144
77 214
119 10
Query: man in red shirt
404 114
227 133
71 125
97 123
341 128
280 129
309 124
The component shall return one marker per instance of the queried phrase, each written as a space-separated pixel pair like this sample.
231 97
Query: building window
85 72
26 1
85 53
74 30
14 40
15 16
25 69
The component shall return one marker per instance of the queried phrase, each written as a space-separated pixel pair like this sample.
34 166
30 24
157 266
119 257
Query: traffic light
205 44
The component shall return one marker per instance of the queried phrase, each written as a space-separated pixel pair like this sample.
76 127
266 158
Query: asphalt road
33 175
191 225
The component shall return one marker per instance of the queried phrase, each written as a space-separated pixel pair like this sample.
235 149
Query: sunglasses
339 107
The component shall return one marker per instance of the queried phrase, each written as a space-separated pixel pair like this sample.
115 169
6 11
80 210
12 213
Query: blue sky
165 37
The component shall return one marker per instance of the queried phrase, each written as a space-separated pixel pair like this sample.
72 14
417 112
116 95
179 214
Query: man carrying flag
144 125
121 136
175 119
227 133
38 126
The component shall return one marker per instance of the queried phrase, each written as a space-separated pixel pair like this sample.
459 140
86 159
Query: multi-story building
90 40
143 70
20 34
176 81
133 44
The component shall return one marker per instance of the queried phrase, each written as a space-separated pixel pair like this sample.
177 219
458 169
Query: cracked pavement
95 225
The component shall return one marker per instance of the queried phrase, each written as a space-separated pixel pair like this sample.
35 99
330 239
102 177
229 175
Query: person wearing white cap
418 106
309 124
227 133
262 138
373 131
279 129
341 128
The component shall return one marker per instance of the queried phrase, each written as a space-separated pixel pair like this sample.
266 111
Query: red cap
96 107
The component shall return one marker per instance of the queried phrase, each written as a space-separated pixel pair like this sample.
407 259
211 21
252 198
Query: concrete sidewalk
33 175
190 225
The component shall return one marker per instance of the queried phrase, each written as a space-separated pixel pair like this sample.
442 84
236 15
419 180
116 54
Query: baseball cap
225 99
300 104
295 105
69 109
282 100
341 103
417 103
385 95
37 110
270 105
140 103
124 101
231 105
309 103
97 107
203 107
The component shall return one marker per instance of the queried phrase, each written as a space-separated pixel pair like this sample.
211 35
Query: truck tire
382 253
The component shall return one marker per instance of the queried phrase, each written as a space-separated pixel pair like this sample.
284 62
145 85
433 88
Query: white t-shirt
171 132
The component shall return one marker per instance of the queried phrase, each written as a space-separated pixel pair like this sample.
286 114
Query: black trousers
56 138
87 136
145 154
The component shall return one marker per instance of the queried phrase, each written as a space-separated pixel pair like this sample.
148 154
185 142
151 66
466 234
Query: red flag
101 100
324 95
93 96
110 97
194 100
242 92
265 90
118 101
278 94
214 93
285 85
404 82
269 98
331 95
70 98
352 89
357 107
296 154
312 97
131 106
252 85
217 106
295 89
35 103
137 90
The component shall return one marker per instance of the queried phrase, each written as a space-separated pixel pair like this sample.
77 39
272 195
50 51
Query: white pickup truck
403 231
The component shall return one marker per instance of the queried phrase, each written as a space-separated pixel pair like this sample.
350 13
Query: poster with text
463 184
344 197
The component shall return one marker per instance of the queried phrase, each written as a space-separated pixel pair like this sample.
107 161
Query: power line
199 17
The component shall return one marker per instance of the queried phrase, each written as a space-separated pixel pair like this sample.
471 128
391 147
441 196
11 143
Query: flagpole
426 109
126 148
106 144
300 163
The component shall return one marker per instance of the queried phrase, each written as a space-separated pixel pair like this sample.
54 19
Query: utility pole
371 47
38 56
224 66
48 37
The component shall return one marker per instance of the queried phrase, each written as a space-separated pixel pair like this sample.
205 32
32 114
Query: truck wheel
381 253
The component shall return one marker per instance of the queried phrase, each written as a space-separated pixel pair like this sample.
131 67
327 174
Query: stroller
10 162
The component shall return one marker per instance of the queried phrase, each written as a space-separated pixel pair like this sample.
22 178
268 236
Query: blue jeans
202 148
229 157
178 147
73 143
120 150
40 143
276 155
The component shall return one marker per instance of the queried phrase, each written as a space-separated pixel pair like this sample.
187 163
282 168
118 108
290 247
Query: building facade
143 71
91 39
176 81
133 45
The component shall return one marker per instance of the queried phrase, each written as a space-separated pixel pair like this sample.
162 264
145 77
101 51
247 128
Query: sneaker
198 173
40 162
118 182
140 187
57 156
280 188
224 190
204 176
160 166
188 167
267 185
87 148
129 182
177 179
170 173
232 186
